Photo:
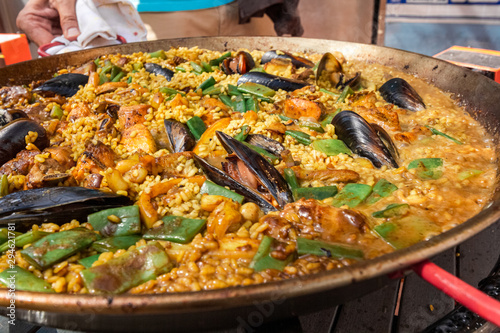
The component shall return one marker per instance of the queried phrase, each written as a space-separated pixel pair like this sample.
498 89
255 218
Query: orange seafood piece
297 108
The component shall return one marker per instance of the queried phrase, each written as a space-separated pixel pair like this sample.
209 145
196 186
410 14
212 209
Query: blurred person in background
190 18
43 20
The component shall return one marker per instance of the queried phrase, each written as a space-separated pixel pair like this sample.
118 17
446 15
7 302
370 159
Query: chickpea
251 212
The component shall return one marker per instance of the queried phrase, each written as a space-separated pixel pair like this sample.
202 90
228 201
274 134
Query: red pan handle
470 297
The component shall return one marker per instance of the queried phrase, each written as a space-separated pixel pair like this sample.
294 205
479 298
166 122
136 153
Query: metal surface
236 306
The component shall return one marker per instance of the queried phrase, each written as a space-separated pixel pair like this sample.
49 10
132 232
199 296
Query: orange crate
487 62
14 48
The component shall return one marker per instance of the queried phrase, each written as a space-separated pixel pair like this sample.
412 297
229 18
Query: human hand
43 20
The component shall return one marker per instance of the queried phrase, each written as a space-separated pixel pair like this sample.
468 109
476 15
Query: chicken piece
383 116
108 87
279 67
314 219
86 68
13 95
138 138
167 165
78 111
333 175
21 164
213 103
37 112
52 170
132 115
95 159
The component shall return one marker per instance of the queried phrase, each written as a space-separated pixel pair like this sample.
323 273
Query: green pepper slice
211 188
382 189
329 117
436 132
113 244
169 91
128 270
58 246
212 91
20 279
469 174
25 239
56 112
207 83
242 135
331 147
216 62
5 235
392 210
176 229
263 258
233 90
120 221
256 89
158 54
331 250
239 104
197 69
251 104
301 137
427 168
196 126
4 186
318 193
226 100
291 178
346 92
352 195
88 261
401 233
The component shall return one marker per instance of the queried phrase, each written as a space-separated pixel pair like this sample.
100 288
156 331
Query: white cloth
100 22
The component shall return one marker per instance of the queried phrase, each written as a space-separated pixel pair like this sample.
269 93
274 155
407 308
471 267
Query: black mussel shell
399 92
65 85
262 141
272 81
6 116
159 70
296 61
221 178
55 204
362 139
241 63
179 136
12 138
267 174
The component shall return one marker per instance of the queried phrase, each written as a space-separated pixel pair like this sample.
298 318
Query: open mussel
179 136
296 60
159 70
223 179
262 141
272 81
6 116
267 174
12 138
399 92
330 70
56 205
362 139
65 85
241 63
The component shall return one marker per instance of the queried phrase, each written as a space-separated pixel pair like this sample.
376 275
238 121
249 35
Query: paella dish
189 169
